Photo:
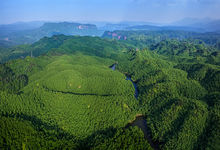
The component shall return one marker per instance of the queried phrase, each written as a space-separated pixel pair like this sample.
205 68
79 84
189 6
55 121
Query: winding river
128 78
140 120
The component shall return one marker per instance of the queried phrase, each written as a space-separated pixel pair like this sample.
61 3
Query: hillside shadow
40 126
97 137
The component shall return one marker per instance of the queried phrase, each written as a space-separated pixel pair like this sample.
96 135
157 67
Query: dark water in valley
140 120
141 123
135 87
128 78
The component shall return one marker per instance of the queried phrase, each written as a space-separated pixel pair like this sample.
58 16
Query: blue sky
160 11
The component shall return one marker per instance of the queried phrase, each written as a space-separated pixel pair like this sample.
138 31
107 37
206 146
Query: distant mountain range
19 26
29 32
160 28
187 24
206 24
24 33
68 28
124 25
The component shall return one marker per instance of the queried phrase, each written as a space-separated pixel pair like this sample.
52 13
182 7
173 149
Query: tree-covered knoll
77 94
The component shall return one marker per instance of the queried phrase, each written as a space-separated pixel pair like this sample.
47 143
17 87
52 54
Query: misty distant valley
131 85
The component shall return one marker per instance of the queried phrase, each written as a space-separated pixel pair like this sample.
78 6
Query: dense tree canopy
66 96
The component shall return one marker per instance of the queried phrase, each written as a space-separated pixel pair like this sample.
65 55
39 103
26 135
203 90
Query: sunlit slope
79 94
64 75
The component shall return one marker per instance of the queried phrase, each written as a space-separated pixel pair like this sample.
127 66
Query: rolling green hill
78 94
61 44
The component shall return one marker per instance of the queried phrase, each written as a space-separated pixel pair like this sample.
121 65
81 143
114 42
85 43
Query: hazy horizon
155 11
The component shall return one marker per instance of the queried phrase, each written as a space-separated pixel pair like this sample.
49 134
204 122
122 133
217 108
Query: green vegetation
11 82
67 97
131 138
77 94
61 44
143 38
175 98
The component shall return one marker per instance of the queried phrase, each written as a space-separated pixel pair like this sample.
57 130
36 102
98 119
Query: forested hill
182 48
66 96
143 38
159 42
203 47
64 44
